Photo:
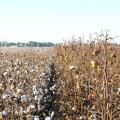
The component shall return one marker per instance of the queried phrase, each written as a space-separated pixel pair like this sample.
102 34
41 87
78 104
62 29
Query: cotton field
24 84
72 81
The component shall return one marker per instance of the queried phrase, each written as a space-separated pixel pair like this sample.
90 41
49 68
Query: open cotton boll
32 106
48 118
71 67
5 95
36 92
19 90
4 113
36 118
23 98
5 74
46 90
118 91
52 114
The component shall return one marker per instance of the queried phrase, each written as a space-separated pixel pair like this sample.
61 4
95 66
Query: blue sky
53 20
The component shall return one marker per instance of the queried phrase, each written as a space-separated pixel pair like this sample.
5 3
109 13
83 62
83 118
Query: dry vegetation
91 76
74 81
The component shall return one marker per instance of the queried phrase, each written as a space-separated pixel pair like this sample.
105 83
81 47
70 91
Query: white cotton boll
16 95
53 87
16 68
34 87
16 63
10 69
23 98
74 108
19 90
71 67
28 109
18 72
46 90
4 113
36 97
6 60
40 89
10 80
5 73
32 70
53 92
35 92
7 70
40 97
48 118
118 91
93 117
32 106
17 60
21 110
36 118
52 114
41 75
25 111
5 95
80 117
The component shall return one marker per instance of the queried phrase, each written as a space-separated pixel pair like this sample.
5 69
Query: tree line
28 44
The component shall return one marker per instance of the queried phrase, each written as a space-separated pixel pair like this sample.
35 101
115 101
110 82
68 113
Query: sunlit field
71 81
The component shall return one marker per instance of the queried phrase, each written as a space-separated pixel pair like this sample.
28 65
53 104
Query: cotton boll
36 118
118 91
25 111
5 95
46 90
40 97
32 106
18 72
48 118
35 92
53 92
4 113
21 110
19 90
71 67
10 80
74 108
32 70
23 98
53 87
36 97
5 74
52 114
42 75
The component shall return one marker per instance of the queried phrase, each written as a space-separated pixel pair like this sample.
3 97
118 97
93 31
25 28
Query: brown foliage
90 72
